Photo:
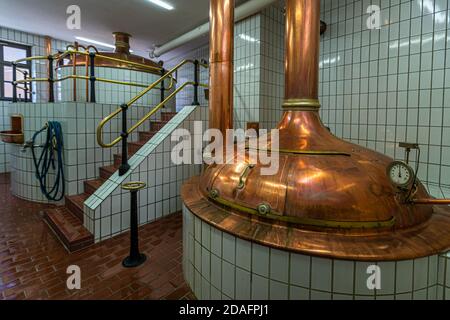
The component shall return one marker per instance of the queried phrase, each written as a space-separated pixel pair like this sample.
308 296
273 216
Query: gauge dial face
400 174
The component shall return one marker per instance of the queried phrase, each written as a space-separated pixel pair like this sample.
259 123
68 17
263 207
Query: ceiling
148 24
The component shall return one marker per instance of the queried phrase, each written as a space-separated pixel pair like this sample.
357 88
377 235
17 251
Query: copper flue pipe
302 54
436 202
221 65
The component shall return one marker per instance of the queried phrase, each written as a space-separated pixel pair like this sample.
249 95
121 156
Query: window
9 53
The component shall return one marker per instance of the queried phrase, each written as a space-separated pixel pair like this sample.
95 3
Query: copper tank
330 197
221 65
122 51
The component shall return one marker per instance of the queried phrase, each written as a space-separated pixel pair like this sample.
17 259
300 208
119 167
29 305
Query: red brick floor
33 263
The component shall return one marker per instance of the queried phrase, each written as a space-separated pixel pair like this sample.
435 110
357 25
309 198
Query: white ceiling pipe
247 9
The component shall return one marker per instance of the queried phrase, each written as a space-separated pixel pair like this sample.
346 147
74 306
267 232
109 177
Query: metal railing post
196 82
51 93
124 167
14 84
135 258
163 90
92 77
25 74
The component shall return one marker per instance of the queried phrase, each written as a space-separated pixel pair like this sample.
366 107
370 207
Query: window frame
27 65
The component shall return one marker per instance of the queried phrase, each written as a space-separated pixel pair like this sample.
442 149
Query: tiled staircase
67 221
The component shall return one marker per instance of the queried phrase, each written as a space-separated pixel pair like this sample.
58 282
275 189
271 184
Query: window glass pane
12 54
20 74
7 74
20 94
8 90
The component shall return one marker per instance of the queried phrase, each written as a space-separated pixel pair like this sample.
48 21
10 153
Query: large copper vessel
329 197
121 52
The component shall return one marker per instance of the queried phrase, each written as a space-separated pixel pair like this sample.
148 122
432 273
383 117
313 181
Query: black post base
123 169
133 263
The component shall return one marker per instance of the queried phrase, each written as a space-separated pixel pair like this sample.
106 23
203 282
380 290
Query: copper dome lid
122 52
322 182
329 197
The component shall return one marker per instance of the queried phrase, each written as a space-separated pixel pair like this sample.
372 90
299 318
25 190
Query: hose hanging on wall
51 153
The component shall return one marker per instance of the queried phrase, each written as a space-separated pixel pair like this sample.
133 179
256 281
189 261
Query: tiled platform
33 263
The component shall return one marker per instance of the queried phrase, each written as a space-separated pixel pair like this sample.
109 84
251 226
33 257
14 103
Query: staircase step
157 125
146 135
68 228
67 222
107 172
134 147
118 159
91 186
76 205
167 116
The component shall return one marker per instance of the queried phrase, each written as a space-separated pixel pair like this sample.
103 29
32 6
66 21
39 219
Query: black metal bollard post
14 84
124 167
135 258
163 94
25 76
51 92
92 77
196 82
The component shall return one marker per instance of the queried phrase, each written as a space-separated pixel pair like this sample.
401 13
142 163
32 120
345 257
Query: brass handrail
139 96
30 59
135 84
154 84
130 63
131 84
31 80
71 50
139 123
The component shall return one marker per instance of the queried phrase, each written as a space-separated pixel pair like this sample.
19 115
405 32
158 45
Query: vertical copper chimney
302 55
221 69
122 42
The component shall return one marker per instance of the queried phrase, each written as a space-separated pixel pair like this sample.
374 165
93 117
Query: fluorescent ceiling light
101 44
162 4
248 38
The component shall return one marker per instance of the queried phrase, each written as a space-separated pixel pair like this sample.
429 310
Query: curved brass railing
90 77
129 63
125 132
139 96
73 51
125 83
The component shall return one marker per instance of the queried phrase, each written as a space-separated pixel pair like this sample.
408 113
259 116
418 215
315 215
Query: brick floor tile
33 263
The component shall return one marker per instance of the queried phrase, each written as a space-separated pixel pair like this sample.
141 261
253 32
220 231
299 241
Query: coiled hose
51 157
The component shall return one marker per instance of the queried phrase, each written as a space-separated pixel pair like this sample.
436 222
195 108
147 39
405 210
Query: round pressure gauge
400 174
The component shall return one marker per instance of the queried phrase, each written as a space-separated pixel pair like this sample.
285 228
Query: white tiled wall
272 66
106 93
252 48
247 65
39 69
382 87
444 277
107 212
82 154
111 93
219 266
186 74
